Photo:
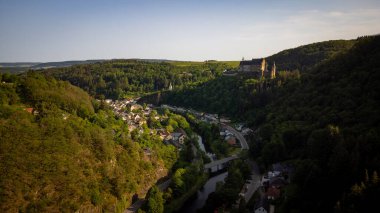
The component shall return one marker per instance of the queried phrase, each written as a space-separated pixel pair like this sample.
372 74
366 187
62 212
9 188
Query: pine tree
375 177
356 189
366 179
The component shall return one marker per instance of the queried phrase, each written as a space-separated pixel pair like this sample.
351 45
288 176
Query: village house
273 193
135 107
231 140
163 133
178 138
31 111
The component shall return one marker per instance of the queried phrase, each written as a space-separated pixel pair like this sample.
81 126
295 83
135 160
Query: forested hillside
61 151
307 56
325 120
241 95
328 125
120 78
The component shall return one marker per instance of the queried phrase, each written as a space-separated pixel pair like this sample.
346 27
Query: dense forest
328 125
305 57
241 95
117 79
324 120
62 151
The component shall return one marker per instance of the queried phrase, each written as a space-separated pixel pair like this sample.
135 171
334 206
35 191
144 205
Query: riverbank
177 204
199 200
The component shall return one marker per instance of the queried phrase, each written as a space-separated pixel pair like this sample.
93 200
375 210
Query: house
178 137
168 139
29 109
137 118
135 107
231 140
163 133
246 131
262 206
224 120
274 174
277 182
273 193
131 128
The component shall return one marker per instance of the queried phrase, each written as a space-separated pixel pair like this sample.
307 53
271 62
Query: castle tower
273 72
263 67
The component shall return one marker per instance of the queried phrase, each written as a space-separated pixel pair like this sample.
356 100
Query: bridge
219 164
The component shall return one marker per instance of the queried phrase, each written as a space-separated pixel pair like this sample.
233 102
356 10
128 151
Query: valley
133 135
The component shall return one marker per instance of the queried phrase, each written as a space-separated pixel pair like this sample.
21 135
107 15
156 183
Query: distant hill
19 67
63 64
125 77
19 64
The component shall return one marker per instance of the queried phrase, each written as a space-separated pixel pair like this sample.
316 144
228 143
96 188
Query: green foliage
119 78
241 95
155 202
323 114
226 195
305 57
328 126
64 157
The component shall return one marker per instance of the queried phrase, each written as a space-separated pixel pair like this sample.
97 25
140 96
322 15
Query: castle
259 67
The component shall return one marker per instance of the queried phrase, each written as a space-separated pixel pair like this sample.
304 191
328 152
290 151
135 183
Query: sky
197 30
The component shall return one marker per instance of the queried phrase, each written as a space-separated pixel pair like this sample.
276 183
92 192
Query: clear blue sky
57 30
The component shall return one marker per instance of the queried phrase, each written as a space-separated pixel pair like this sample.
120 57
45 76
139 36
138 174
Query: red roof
273 192
231 141
30 110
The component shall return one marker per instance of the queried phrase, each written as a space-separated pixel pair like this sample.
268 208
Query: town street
243 142
254 183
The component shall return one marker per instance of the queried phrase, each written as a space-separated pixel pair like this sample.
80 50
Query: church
259 67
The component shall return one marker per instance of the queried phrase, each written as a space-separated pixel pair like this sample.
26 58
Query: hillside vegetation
68 153
241 95
328 125
307 56
120 78
324 119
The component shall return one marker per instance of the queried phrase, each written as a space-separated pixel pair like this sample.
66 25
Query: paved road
254 184
136 205
164 185
252 187
243 142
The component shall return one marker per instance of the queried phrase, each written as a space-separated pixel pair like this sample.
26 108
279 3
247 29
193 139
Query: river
199 200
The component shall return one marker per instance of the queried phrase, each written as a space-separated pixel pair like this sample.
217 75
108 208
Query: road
254 183
136 205
243 142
